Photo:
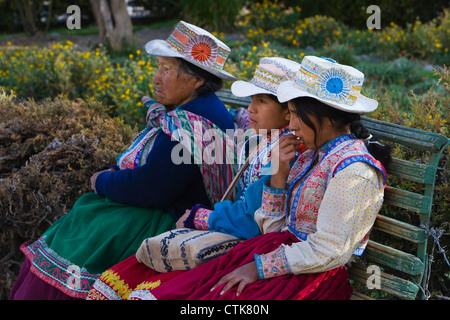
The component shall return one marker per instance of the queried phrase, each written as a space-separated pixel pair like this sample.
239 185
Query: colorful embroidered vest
307 188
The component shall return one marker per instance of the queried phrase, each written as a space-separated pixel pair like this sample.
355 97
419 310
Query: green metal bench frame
402 274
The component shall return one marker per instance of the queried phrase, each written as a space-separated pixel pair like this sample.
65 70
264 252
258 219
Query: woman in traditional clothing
329 200
147 191
268 120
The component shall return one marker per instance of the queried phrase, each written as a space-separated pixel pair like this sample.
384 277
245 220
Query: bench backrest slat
399 287
400 229
411 137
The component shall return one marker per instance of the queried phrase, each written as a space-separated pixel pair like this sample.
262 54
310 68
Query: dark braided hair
306 106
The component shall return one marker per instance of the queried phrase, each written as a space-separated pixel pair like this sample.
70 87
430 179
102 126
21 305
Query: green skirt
95 235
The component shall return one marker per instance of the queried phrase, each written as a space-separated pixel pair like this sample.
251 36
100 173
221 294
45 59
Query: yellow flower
131 56
254 48
138 52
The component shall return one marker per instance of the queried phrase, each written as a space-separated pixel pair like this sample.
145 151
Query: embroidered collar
330 145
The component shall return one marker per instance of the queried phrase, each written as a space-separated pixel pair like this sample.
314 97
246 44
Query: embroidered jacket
330 208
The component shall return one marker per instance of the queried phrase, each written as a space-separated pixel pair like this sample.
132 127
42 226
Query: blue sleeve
238 218
157 184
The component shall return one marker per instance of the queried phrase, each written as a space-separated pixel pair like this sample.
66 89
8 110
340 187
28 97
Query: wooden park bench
395 262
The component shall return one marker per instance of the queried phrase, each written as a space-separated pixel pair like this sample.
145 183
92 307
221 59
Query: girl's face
305 133
265 113
325 130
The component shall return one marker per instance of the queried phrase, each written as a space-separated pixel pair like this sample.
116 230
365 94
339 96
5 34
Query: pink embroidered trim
201 220
273 264
273 201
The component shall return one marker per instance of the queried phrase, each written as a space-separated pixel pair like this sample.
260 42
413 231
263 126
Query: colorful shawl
211 149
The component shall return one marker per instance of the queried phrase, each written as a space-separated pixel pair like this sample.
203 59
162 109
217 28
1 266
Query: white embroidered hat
194 45
334 84
269 73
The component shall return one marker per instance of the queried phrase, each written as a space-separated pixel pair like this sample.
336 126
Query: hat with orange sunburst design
196 46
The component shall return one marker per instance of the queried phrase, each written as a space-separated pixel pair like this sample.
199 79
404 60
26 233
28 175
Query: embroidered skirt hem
95 235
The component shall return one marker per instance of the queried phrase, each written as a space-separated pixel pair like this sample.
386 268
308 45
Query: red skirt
132 280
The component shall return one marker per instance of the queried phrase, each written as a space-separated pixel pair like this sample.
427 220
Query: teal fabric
98 232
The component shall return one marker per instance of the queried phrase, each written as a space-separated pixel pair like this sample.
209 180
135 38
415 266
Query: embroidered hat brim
196 46
334 84
288 91
246 89
269 73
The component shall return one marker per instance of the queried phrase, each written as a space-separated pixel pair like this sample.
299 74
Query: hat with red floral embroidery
196 46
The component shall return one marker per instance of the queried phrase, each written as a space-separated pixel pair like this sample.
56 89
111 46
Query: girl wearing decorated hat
328 200
268 120
146 191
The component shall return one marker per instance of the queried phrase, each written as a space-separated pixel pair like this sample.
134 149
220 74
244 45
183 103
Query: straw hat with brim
196 46
269 73
334 84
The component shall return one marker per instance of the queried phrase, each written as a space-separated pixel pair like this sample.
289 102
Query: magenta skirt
196 284
29 286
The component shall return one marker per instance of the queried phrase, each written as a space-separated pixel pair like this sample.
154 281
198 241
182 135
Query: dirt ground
83 41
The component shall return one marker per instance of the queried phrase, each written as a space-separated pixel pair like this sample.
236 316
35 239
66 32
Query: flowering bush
269 21
421 40
91 75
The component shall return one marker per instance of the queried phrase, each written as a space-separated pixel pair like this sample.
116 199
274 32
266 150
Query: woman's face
265 113
174 87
